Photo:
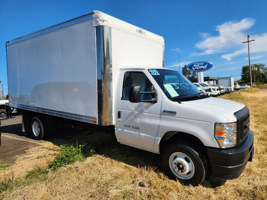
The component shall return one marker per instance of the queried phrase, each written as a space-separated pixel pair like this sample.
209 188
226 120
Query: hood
209 109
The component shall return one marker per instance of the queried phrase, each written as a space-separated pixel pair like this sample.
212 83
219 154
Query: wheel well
180 136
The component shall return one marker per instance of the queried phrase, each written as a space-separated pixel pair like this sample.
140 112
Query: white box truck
100 70
227 82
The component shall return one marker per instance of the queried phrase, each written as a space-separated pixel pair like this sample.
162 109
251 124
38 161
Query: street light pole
250 71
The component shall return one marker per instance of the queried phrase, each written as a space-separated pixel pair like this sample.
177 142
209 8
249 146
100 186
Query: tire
3 114
183 162
37 128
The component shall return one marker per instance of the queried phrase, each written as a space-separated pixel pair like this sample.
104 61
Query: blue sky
194 30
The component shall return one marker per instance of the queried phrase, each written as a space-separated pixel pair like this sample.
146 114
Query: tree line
259 74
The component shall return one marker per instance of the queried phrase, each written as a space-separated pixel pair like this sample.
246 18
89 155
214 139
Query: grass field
114 171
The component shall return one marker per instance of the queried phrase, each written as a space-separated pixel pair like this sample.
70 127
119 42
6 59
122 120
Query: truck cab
160 111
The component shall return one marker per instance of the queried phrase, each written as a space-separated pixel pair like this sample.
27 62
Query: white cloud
204 35
180 64
229 39
230 33
259 45
177 50
228 69
255 57
236 53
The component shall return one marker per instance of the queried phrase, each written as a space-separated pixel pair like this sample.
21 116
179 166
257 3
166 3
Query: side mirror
135 94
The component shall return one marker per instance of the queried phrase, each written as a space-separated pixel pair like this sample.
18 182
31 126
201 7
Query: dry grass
118 172
35 157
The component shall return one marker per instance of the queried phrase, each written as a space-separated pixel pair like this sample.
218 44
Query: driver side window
136 79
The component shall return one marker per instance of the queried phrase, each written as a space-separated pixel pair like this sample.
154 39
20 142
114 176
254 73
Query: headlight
225 134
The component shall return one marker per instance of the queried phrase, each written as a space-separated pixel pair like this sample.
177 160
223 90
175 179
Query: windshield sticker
154 72
171 90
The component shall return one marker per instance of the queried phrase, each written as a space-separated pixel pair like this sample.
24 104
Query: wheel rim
2 115
36 128
181 165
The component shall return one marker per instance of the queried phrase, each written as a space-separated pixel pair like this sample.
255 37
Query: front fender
200 129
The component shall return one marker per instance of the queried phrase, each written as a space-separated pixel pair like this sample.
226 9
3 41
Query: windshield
175 86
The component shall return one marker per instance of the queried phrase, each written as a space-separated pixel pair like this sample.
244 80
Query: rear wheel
37 125
183 162
37 128
3 114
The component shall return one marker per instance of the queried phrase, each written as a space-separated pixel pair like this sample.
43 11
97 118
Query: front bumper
230 163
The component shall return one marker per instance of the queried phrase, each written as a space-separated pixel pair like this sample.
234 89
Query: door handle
119 114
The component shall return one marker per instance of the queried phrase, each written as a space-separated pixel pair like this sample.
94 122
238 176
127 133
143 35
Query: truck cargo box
70 69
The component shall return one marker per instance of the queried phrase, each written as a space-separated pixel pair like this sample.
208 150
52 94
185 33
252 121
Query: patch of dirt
38 156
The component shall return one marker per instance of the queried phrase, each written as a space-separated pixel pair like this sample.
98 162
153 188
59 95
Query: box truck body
98 69
227 82
70 70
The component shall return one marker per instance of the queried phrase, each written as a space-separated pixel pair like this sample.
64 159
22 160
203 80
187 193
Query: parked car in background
205 90
243 86
237 86
253 85
214 91
222 89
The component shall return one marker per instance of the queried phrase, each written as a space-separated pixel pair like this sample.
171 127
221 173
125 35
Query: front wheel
183 162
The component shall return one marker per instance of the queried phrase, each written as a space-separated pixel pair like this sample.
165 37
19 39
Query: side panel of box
56 72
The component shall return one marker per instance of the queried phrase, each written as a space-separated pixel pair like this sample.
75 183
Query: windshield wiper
178 98
200 95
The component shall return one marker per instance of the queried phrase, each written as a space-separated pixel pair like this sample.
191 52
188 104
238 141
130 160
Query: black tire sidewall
200 172
42 130
4 114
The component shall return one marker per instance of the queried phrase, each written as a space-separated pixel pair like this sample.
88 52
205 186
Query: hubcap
181 165
2 115
36 128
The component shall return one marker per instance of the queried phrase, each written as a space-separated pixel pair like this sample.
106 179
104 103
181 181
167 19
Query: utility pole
250 71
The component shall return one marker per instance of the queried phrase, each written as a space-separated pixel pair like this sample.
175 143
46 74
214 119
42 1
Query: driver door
137 123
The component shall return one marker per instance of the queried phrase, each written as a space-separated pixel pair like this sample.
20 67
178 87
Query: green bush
67 155
3 165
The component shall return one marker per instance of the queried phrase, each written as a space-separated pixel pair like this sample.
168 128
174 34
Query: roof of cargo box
107 20
100 19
